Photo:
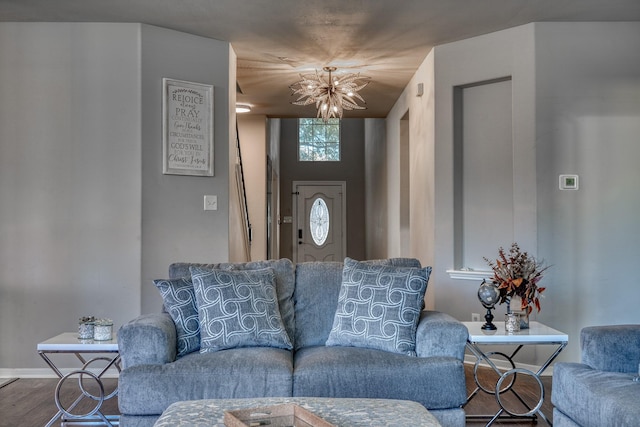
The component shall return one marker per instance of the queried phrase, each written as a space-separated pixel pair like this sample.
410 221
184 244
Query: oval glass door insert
319 221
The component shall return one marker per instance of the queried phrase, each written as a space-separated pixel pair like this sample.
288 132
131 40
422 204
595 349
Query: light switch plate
210 203
568 182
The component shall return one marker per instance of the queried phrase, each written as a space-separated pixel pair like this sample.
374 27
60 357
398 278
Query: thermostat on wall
568 182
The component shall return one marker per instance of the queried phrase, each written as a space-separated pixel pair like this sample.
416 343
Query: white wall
421 171
70 182
253 143
497 55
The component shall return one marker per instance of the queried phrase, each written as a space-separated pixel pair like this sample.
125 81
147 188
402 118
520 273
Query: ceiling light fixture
243 108
331 96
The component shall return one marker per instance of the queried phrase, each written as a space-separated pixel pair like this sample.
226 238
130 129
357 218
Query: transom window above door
318 141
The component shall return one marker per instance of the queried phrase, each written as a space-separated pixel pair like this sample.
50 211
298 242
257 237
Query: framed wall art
187 128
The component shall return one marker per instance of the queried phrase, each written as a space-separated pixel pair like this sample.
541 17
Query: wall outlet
475 317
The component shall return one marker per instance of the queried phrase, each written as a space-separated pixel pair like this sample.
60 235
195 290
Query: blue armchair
600 391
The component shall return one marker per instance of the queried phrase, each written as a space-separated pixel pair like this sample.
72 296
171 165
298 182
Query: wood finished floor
29 402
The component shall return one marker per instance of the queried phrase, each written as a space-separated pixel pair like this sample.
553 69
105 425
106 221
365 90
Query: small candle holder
85 327
103 330
512 323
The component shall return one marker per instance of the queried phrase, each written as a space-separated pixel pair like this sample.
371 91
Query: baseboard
503 364
47 373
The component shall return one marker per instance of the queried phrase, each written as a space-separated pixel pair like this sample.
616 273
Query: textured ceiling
275 40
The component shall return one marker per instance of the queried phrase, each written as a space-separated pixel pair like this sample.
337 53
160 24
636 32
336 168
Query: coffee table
536 334
69 343
338 411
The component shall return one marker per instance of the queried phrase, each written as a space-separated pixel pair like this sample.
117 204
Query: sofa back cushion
285 282
316 297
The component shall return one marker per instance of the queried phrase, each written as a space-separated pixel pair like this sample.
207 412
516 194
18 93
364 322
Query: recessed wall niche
483 171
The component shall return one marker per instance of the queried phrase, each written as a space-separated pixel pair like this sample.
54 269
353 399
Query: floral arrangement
517 274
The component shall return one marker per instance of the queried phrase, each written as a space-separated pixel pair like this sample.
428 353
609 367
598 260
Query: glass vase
524 319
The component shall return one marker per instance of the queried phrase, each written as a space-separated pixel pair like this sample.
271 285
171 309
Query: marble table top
340 412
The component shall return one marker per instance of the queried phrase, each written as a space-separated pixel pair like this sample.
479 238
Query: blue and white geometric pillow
379 307
180 302
238 308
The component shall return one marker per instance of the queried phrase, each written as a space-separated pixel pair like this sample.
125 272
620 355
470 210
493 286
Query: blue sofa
153 377
600 391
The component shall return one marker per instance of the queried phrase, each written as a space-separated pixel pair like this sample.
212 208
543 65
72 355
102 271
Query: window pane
318 141
319 221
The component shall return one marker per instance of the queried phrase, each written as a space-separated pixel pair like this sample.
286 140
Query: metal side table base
69 344
538 334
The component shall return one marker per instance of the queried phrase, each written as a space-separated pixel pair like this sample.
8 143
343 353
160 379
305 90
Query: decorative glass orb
488 294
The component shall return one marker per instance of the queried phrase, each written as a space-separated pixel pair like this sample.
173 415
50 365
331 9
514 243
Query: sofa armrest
613 348
149 339
439 334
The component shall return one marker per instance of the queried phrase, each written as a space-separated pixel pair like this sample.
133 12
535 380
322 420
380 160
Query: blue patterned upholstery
285 282
180 302
153 377
379 307
600 390
238 308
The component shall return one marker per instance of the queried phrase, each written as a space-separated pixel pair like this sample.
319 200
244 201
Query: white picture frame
187 128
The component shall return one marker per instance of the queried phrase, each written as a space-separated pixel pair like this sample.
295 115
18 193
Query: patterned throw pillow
180 302
379 307
238 308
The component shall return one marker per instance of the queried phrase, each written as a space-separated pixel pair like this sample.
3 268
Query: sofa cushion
316 297
238 309
614 348
285 282
435 382
594 398
179 301
228 374
379 307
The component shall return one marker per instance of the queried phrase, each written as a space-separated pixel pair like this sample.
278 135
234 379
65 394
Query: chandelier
331 96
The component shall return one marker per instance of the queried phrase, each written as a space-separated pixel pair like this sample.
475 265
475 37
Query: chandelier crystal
331 96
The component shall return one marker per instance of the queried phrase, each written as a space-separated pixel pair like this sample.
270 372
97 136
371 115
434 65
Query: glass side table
537 334
69 343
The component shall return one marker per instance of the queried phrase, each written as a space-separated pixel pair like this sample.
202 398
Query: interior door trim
294 202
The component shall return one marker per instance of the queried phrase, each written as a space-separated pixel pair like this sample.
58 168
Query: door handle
300 233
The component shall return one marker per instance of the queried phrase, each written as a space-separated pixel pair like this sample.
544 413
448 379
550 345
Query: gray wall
349 169
70 181
87 219
576 110
174 225
588 123
375 188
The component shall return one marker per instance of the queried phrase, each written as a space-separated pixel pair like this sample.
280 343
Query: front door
320 221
